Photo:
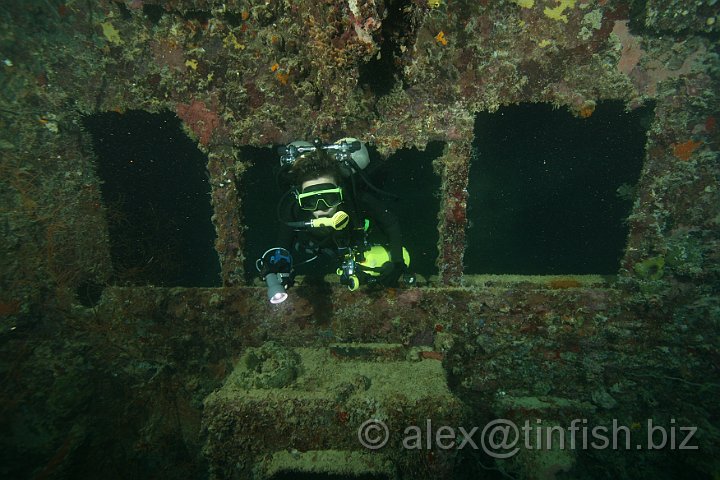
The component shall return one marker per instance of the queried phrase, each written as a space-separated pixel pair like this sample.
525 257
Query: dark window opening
408 173
234 19
261 195
89 293
153 12
380 74
157 198
199 16
549 192
124 10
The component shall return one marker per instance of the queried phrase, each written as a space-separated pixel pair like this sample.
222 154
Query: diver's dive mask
313 196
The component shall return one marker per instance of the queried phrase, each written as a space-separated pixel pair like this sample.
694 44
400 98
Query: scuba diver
325 214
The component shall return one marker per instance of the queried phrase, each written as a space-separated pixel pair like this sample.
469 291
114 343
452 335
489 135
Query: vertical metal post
453 167
223 169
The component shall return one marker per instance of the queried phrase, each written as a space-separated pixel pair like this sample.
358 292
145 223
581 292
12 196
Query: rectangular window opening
549 193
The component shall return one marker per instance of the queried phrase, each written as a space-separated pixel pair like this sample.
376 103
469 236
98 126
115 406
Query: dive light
276 292
279 260
338 221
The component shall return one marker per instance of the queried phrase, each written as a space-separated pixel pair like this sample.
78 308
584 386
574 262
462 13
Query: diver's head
321 195
317 177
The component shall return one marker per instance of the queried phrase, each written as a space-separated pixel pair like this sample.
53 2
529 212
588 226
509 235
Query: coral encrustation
200 119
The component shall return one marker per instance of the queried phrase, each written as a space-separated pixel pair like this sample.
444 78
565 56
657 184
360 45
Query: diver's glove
390 273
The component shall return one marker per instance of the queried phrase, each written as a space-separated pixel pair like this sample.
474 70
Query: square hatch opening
405 183
549 193
156 193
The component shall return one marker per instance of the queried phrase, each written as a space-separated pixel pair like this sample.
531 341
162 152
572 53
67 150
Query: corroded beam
453 168
222 170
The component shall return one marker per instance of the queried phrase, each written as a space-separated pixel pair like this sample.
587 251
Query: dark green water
156 190
544 189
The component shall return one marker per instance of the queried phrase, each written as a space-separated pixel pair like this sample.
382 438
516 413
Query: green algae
323 373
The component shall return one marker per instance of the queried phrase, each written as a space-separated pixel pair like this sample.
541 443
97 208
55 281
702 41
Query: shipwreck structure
108 372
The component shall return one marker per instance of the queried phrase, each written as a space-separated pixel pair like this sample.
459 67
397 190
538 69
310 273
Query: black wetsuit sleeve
387 221
286 235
